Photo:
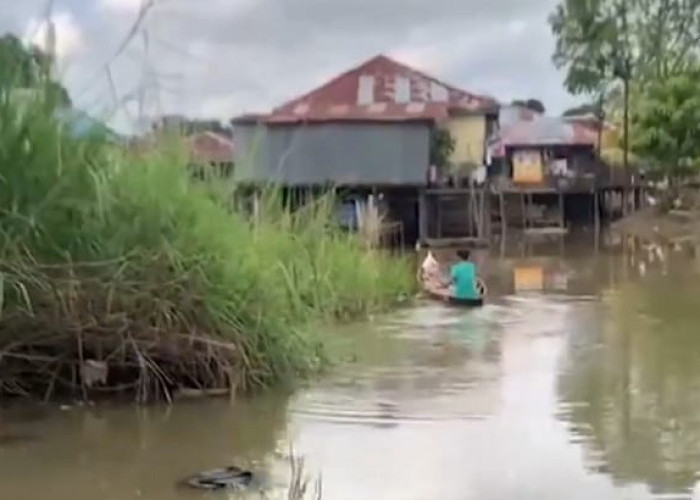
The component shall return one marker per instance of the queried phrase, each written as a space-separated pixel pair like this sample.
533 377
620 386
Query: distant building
206 150
211 149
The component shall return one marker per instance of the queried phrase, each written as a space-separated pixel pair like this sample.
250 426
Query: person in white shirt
429 272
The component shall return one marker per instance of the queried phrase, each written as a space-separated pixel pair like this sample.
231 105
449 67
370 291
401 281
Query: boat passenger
463 277
429 273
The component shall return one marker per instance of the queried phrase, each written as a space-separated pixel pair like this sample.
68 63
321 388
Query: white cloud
128 6
68 34
251 55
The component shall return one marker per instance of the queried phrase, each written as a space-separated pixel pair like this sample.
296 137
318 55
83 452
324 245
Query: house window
402 90
438 93
365 90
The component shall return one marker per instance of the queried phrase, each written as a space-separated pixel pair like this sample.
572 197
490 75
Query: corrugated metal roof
545 131
380 89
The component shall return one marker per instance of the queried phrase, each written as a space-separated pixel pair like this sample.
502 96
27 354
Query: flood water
580 379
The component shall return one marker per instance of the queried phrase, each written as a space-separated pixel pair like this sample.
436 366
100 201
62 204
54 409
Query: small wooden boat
445 295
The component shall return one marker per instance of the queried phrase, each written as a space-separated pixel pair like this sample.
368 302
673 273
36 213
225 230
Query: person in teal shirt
463 275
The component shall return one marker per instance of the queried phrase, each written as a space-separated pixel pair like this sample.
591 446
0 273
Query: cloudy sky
219 58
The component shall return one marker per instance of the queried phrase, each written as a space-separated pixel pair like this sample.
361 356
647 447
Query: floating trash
225 478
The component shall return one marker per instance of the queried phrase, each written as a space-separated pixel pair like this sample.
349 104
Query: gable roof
381 89
210 146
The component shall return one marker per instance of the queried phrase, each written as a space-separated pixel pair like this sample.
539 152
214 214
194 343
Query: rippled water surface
579 379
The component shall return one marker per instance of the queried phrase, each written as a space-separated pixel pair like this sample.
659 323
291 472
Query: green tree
587 37
599 40
442 145
667 124
28 67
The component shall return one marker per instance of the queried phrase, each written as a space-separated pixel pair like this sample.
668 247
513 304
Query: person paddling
463 277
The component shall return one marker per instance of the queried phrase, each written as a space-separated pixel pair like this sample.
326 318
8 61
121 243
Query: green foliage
666 124
600 40
586 38
103 250
28 68
442 145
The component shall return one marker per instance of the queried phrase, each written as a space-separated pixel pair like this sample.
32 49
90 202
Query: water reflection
579 379
631 387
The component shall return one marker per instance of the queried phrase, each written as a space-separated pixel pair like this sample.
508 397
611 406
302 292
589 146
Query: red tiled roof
543 132
381 89
210 147
204 147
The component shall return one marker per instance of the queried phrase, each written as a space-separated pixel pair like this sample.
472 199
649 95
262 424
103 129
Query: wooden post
470 213
438 214
485 213
422 217
562 221
596 211
502 209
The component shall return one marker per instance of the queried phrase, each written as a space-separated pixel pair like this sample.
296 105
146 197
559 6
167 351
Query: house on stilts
546 175
368 133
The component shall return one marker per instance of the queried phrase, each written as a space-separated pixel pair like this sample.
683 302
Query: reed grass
129 261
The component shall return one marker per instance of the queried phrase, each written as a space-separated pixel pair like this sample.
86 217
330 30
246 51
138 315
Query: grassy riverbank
126 267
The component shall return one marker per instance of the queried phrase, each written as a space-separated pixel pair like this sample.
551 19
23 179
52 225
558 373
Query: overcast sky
219 58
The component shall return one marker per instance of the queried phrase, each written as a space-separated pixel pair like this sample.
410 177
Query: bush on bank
121 272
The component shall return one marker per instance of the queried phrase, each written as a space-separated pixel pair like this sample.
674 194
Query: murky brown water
579 380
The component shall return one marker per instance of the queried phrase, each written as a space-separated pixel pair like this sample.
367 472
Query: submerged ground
580 379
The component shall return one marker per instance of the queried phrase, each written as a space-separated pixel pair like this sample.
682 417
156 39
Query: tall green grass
128 260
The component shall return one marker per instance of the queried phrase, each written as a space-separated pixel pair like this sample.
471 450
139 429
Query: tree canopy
667 124
442 145
28 67
599 40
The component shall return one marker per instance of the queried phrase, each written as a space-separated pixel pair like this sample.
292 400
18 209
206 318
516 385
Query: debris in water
219 479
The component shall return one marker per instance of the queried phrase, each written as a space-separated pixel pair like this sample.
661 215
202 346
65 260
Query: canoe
444 295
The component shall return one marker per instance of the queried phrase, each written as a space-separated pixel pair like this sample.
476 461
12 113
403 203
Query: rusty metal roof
544 131
202 147
381 89
209 147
